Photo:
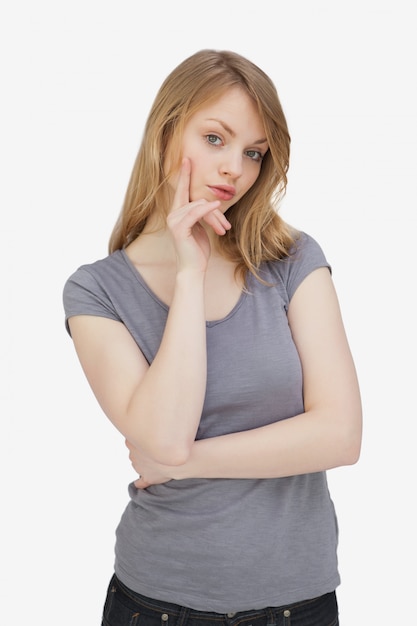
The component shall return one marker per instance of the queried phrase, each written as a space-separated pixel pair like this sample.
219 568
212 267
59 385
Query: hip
124 607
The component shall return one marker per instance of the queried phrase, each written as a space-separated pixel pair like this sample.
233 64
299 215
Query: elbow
343 452
350 443
351 453
171 453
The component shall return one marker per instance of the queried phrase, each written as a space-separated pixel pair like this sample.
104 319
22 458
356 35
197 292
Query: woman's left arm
328 434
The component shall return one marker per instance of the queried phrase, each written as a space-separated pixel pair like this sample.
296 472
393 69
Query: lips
223 192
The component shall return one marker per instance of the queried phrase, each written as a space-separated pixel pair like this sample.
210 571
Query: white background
77 81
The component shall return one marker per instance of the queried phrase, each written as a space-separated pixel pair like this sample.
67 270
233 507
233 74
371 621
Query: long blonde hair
258 233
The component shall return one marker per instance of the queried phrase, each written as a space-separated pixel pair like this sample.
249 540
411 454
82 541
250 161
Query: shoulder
305 256
105 274
307 250
99 270
91 288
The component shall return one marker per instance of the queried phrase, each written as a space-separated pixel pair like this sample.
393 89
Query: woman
212 338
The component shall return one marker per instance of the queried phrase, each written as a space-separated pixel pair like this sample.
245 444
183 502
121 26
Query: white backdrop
77 81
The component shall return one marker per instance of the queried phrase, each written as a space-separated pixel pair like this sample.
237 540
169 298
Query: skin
157 408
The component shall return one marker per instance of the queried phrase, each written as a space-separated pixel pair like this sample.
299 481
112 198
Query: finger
218 221
185 218
182 192
140 483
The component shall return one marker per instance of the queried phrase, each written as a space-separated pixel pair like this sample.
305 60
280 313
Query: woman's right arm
157 408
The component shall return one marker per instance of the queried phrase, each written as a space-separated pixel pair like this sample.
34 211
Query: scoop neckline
144 284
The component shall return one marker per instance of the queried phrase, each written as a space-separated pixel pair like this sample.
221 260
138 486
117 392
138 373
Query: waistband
166 610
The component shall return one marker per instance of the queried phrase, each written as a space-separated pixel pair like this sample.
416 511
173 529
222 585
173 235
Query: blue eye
214 140
255 155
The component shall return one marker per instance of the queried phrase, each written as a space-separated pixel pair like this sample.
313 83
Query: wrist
190 276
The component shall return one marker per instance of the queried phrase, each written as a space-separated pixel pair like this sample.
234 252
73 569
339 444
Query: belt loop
270 617
183 616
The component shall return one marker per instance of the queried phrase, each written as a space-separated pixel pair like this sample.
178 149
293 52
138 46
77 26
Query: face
225 143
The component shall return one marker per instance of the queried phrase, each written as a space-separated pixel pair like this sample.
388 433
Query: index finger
182 192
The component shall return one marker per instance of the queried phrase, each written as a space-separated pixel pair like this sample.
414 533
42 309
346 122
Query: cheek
252 177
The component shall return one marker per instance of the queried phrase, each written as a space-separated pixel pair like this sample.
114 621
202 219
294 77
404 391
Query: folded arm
328 433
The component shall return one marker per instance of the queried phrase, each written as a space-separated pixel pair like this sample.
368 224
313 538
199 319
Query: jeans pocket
320 611
116 611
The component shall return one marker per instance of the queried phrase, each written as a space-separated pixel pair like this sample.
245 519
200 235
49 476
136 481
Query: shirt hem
203 604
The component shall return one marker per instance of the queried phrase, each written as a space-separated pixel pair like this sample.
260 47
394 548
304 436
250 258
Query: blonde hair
258 233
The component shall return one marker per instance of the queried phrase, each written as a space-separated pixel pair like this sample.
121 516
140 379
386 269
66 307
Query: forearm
165 410
306 443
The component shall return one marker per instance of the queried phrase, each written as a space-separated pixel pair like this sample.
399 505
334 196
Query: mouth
223 192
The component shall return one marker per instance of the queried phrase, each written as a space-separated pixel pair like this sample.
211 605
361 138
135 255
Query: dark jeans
124 607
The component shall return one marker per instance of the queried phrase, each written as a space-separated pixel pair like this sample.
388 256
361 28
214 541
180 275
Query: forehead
234 107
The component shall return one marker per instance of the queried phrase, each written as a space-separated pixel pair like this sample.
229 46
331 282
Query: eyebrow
231 132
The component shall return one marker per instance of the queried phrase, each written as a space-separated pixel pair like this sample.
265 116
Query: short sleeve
306 256
83 295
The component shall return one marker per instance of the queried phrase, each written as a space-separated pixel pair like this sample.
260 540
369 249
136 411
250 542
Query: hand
150 472
191 241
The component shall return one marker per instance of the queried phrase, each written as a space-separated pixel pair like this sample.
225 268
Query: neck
158 242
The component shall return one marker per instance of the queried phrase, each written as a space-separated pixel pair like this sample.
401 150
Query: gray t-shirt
224 545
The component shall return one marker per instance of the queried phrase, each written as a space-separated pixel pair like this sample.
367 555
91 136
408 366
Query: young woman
212 338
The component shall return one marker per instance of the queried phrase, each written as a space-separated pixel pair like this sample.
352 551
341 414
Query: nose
231 164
